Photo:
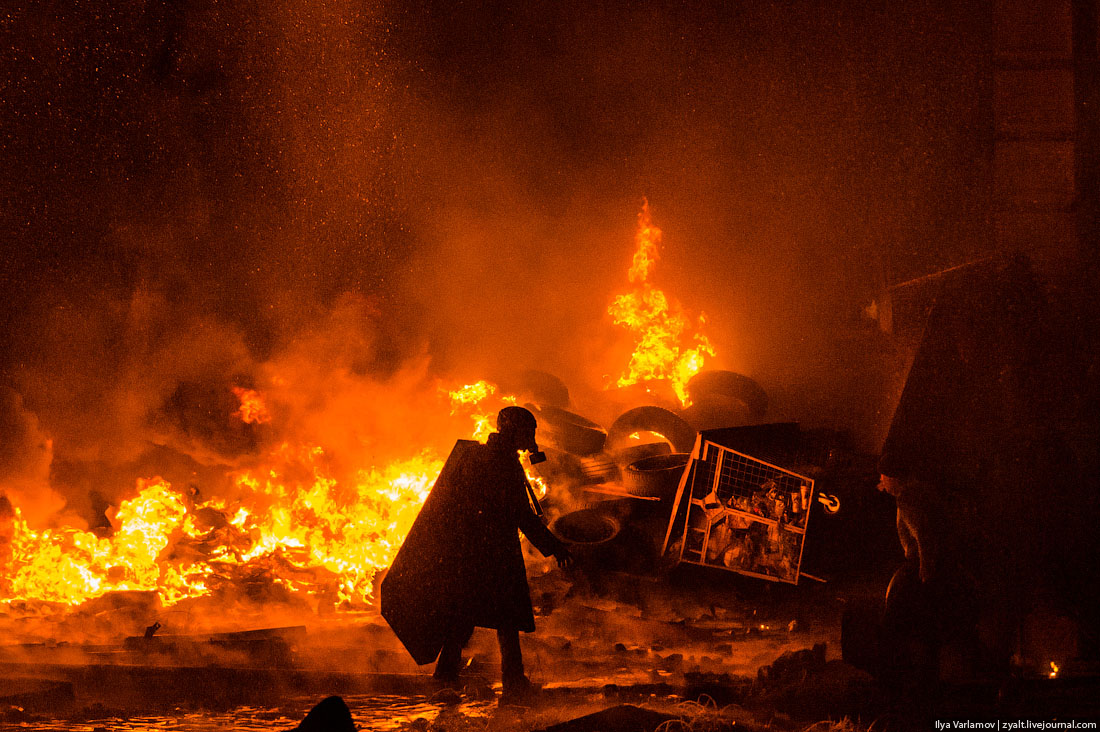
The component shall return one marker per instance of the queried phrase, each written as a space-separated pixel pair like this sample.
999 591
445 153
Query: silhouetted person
976 463
461 565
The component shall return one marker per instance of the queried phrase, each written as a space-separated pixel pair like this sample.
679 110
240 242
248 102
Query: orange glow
252 409
1054 670
294 519
667 347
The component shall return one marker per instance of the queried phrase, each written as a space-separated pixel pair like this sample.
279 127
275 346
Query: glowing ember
252 409
666 348
1053 670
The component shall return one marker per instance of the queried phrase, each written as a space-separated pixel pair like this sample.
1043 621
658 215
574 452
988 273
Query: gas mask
534 454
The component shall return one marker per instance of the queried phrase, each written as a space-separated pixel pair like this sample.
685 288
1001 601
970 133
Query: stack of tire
650 470
719 399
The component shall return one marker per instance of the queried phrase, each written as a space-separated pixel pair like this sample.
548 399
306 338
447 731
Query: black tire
538 387
729 384
655 477
586 527
651 419
567 431
590 534
712 413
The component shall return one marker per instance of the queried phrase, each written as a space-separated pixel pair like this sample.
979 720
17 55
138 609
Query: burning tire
651 419
655 477
567 431
714 387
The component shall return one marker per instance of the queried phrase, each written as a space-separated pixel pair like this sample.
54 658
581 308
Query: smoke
797 159
337 205
25 456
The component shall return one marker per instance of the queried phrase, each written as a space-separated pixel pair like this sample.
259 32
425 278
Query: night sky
191 187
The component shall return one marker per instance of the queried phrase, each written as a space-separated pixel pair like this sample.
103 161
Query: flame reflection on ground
374 712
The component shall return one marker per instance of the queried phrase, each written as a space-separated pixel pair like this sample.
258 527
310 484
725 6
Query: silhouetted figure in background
461 565
987 493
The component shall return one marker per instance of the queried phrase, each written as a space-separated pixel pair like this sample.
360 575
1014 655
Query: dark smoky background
199 195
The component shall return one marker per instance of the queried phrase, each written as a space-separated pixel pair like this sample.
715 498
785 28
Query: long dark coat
461 564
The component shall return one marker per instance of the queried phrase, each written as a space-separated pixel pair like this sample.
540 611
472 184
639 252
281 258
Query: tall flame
666 346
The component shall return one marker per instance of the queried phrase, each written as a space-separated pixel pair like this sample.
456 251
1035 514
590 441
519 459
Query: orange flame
252 409
69 566
666 348
471 396
292 521
307 534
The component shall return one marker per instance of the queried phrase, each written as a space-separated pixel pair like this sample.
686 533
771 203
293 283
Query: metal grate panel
743 514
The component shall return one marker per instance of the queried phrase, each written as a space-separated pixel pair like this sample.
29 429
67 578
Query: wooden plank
685 480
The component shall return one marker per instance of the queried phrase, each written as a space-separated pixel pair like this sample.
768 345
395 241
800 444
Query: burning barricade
305 520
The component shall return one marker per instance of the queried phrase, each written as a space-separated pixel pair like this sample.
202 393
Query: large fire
293 521
666 347
308 534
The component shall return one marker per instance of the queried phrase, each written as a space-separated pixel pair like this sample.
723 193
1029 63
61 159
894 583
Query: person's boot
449 664
520 691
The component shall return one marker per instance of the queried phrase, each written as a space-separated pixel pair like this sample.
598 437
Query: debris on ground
806 685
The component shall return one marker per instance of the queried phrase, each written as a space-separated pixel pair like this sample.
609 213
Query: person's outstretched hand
565 558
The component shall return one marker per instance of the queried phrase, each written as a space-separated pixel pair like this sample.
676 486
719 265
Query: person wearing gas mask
461 565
